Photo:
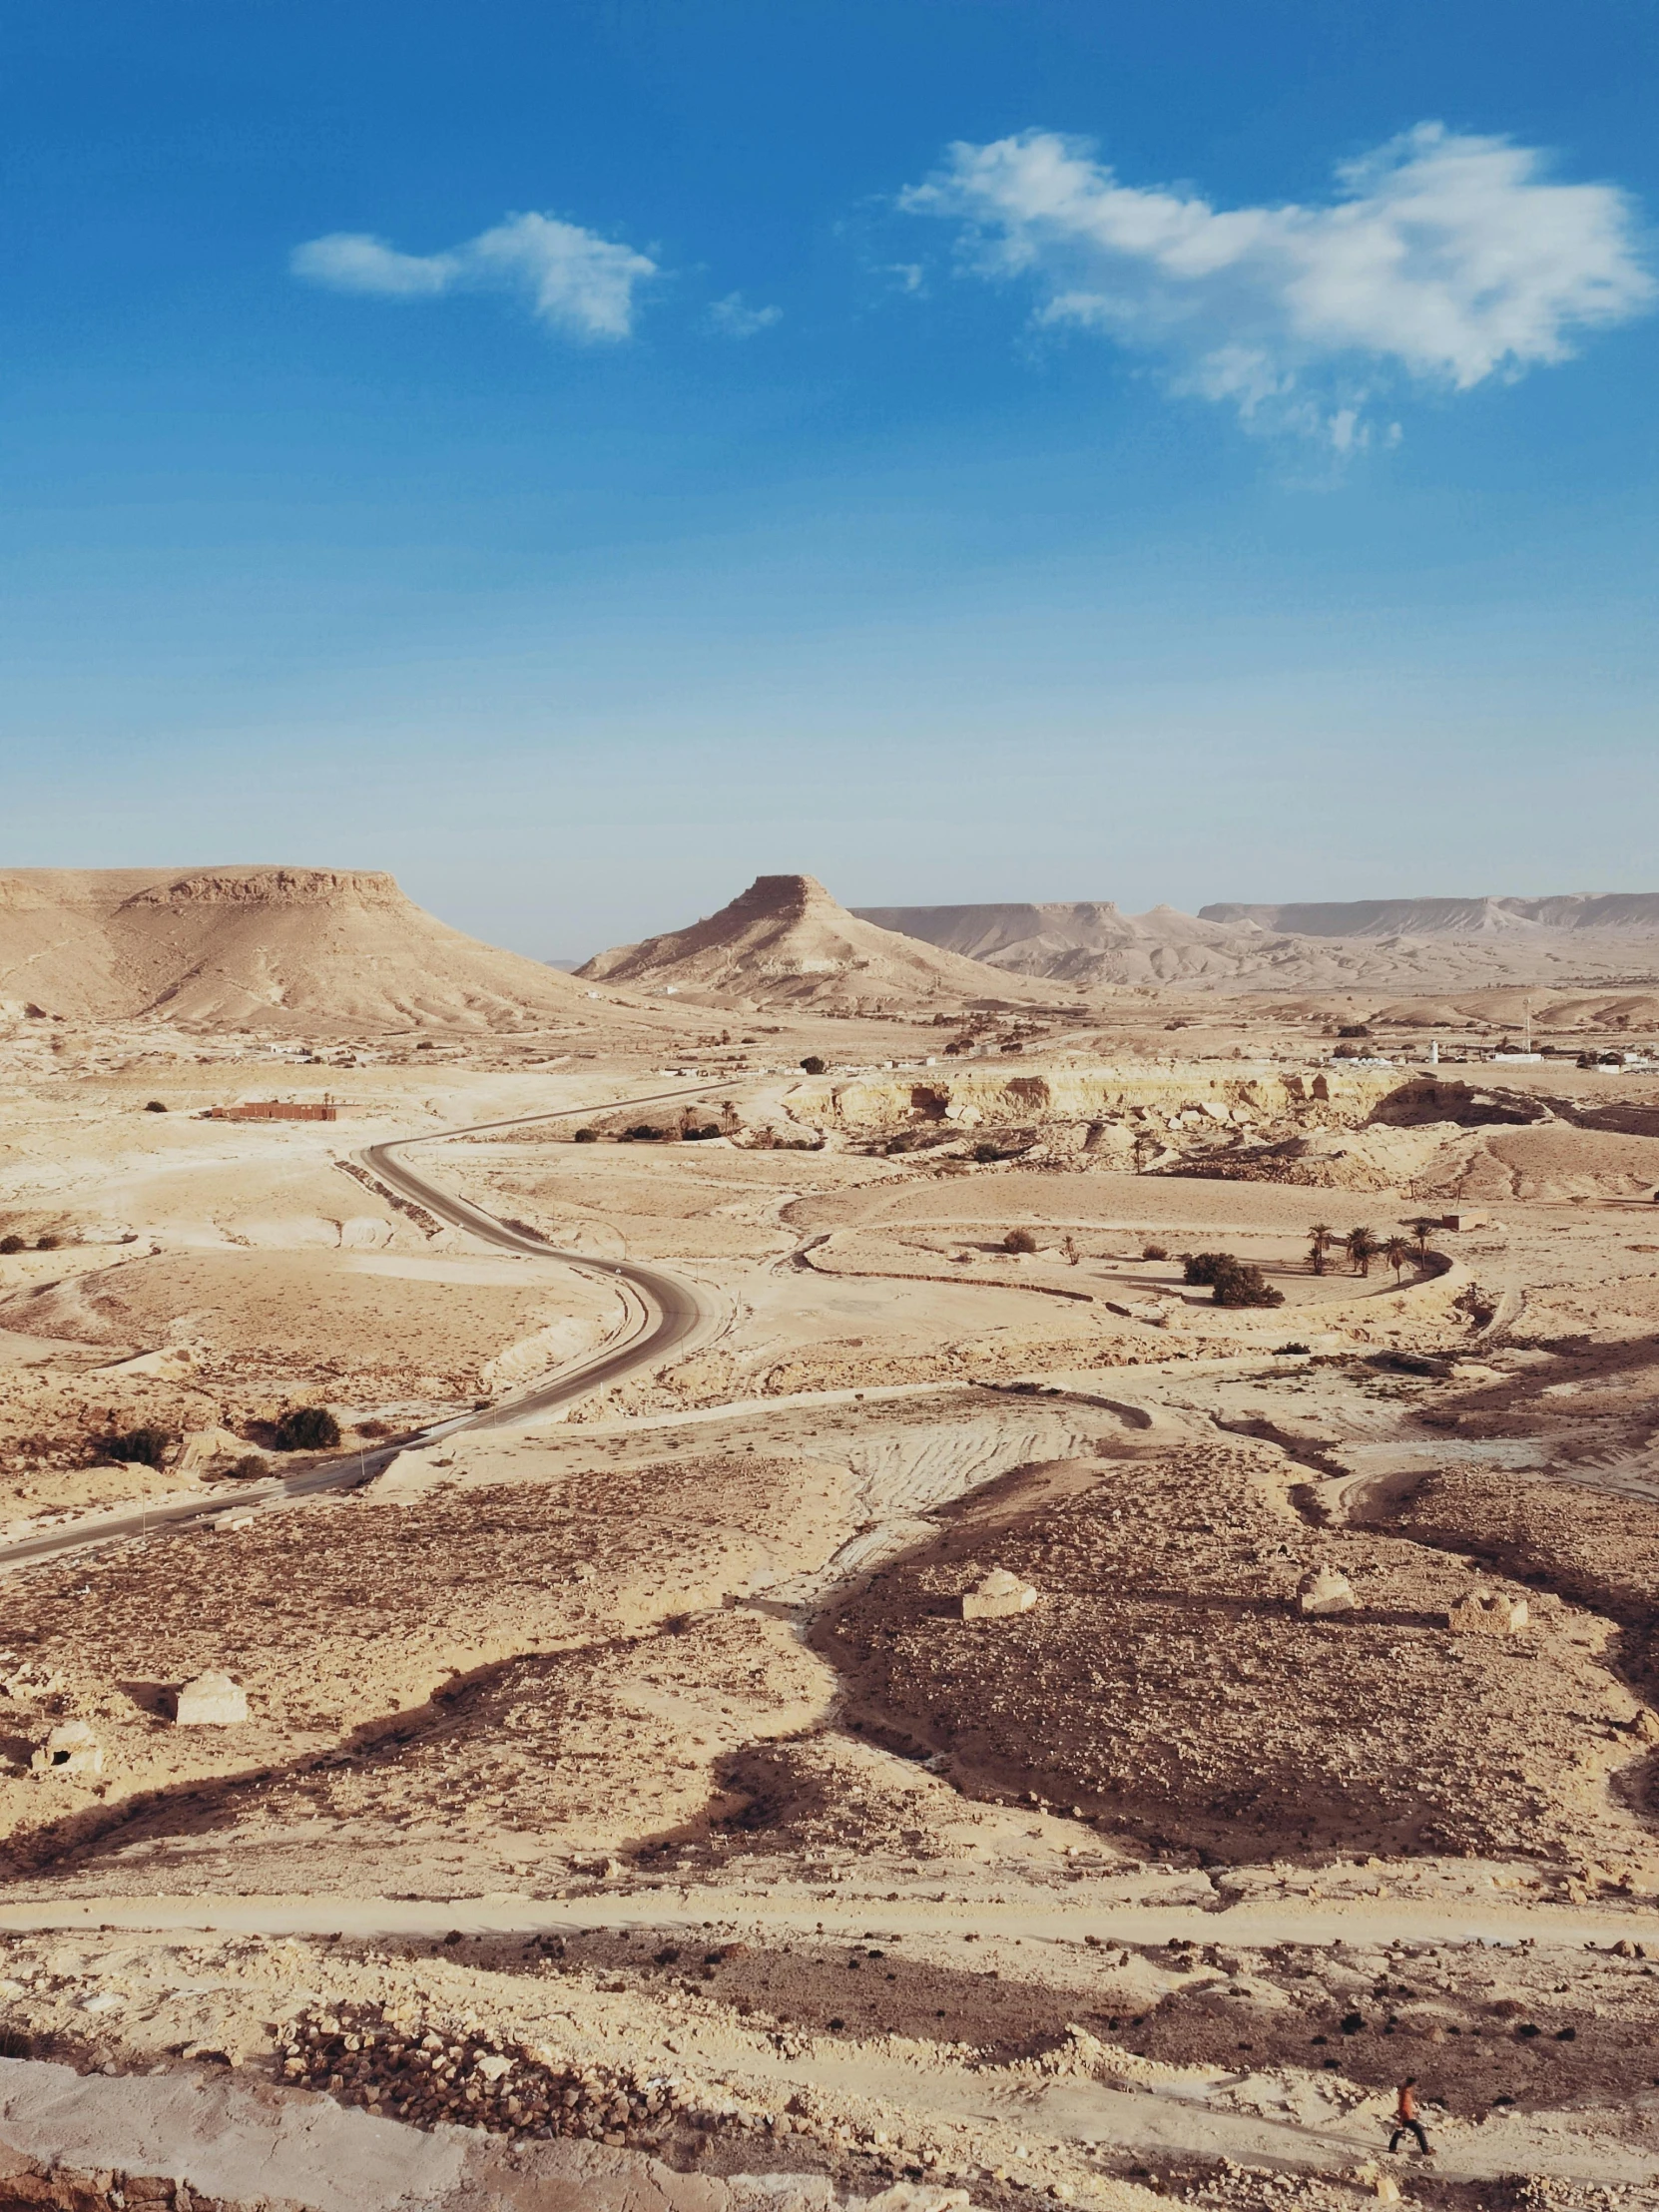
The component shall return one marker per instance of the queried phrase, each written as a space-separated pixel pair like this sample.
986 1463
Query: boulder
998 1598
1488 1613
1324 1590
71 1749
211 1701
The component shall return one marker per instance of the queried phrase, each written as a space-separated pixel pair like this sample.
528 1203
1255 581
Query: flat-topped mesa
309 949
274 887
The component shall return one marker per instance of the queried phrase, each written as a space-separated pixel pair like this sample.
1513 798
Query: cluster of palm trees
1361 1247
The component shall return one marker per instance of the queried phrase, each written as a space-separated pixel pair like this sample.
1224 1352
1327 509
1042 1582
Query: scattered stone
211 1701
1324 1590
71 1749
1000 1597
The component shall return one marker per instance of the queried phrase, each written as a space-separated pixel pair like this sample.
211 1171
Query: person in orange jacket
1406 2121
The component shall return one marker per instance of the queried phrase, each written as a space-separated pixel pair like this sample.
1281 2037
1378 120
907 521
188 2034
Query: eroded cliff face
1208 1097
1359 1128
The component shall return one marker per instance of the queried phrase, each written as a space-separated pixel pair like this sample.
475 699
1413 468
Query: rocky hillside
786 942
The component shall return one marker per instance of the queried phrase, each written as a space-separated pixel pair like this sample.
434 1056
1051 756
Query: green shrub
813 1065
306 1428
145 1447
586 1136
1242 1284
248 1468
1205 1266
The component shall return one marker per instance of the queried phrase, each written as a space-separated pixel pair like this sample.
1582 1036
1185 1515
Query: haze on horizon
980 456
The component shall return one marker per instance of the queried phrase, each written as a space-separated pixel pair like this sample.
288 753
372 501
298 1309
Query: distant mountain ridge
1081 941
1399 943
1637 911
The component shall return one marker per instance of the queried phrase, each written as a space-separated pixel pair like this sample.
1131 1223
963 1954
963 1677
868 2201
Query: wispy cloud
574 280
1440 257
734 318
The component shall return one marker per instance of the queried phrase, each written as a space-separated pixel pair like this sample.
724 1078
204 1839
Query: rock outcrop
1325 1590
1000 1597
71 1750
211 1700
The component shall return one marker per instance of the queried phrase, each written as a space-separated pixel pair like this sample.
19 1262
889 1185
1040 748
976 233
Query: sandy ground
648 1745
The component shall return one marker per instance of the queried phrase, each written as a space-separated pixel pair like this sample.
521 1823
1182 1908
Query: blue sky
581 457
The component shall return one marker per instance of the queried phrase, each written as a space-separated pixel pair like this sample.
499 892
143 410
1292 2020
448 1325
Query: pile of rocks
421 2070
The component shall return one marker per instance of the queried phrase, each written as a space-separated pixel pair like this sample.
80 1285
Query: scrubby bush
813 1065
306 1428
1243 1284
372 1428
586 1136
248 1469
1019 1240
1154 1252
642 1133
47 1243
696 1136
12 1243
145 1447
1354 1029
154 1106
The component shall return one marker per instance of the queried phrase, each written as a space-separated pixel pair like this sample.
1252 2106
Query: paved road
669 1312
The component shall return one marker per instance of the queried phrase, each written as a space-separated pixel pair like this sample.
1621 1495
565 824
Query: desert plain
613 1786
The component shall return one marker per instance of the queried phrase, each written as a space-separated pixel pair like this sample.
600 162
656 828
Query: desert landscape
936 1557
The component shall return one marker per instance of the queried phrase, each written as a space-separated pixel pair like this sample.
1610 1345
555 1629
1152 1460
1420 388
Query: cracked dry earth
627 1812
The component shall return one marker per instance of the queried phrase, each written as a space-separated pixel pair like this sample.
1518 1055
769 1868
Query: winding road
667 1312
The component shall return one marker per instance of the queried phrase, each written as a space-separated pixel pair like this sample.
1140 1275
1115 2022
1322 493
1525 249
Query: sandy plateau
625 1811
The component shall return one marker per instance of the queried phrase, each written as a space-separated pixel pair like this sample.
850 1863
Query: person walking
1407 2120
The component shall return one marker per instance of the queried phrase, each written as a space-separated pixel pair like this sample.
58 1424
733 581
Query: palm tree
1397 1252
1423 1229
1361 1247
1320 1237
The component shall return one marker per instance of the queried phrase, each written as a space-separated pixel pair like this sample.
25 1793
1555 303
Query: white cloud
574 280
1442 258
734 318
